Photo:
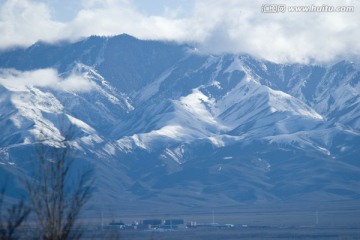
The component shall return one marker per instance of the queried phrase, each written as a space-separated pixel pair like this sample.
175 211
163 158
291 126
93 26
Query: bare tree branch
12 219
56 197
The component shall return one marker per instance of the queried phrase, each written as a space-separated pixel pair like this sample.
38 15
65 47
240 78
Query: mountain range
165 122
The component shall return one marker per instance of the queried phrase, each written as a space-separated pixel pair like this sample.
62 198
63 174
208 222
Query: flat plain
328 220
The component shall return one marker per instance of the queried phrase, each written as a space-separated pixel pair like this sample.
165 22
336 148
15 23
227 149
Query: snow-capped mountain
162 121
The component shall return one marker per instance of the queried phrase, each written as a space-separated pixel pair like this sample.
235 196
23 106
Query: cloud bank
15 80
233 26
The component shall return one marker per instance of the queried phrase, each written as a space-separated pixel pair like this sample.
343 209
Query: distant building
152 223
191 224
173 223
120 225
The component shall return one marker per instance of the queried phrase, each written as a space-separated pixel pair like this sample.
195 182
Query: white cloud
300 37
15 80
216 27
23 23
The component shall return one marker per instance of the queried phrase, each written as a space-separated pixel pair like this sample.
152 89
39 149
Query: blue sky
215 26
66 10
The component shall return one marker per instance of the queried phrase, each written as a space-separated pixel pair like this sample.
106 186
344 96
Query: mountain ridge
155 116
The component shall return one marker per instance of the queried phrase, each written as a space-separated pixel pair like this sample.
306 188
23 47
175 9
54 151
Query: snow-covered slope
161 121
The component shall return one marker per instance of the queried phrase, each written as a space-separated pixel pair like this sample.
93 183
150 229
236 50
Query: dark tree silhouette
12 218
58 193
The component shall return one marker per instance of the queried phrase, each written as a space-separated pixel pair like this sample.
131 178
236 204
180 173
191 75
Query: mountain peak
159 116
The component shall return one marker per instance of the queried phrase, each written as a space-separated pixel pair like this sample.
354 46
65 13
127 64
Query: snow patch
218 142
282 102
81 124
174 155
171 131
110 149
324 150
91 140
150 90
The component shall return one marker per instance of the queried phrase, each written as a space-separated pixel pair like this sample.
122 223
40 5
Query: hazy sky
215 26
